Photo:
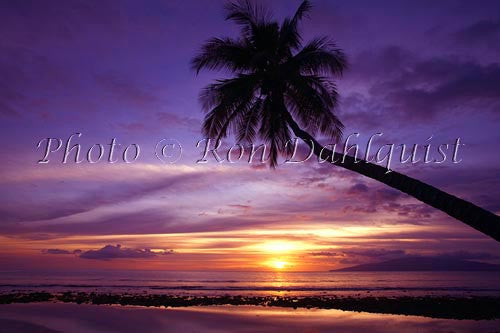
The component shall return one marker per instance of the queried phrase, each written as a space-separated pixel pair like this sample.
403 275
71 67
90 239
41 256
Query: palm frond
225 100
289 35
277 82
274 129
320 57
249 16
247 127
311 100
223 53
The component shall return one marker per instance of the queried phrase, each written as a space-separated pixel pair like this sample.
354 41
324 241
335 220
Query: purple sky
121 69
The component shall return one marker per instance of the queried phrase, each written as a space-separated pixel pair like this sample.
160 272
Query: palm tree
281 85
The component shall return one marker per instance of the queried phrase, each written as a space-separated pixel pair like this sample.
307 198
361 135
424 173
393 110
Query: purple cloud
56 251
110 252
483 31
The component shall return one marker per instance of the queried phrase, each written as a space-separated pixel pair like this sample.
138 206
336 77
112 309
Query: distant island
422 264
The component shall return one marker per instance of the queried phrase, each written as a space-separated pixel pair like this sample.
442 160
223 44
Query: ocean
213 283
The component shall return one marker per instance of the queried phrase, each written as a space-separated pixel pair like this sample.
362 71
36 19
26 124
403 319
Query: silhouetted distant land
422 264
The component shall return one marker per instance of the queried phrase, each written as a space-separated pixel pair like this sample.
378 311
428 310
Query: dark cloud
466 255
400 86
361 254
380 64
376 253
60 251
353 256
483 177
357 189
396 248
369 255
110 252
483 31
376 199
244 208
56 251
450 85
325 254
387 194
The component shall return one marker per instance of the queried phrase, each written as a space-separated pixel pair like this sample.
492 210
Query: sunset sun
280 253
279 264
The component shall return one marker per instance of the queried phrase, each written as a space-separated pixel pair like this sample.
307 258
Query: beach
59 317
443 307
440 295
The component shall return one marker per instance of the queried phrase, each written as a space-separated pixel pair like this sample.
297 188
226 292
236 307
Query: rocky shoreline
446 307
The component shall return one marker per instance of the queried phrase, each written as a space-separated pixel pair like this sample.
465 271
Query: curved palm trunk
472 215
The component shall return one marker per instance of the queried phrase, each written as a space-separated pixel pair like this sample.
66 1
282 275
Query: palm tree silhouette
279 83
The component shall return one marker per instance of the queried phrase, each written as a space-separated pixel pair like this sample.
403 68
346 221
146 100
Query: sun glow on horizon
280 252
279 264
281 246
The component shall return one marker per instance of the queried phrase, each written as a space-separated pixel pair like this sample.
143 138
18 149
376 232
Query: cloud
485 194
124 90
324 254
109 185
382 199
357 189
56 251
351 255
396 86
436 85
480 32
140 222
61 251
371 255
361 255
110 252
376 253
20 72
466 255
172 119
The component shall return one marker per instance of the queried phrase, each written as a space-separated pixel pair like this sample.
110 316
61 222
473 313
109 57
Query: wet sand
445 307
68 317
